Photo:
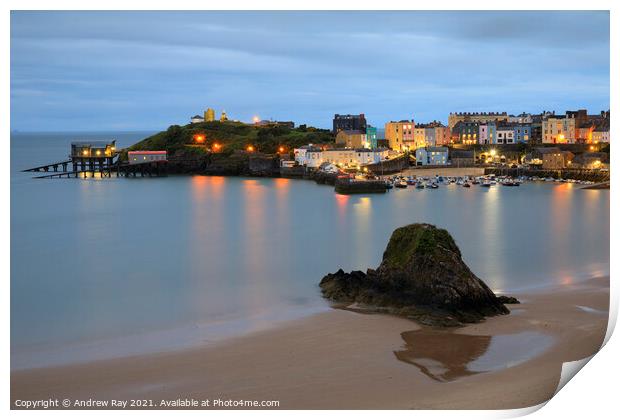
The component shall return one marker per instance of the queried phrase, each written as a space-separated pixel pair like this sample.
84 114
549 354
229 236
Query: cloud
151 69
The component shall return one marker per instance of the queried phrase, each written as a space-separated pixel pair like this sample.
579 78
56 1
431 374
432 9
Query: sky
98 71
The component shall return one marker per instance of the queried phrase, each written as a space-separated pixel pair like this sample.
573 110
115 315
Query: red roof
148 152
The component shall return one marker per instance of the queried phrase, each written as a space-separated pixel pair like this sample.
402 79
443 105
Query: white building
431 156
307 155
505 135
313 157
354 157
197 119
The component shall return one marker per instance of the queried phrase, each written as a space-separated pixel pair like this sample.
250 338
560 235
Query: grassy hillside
232 136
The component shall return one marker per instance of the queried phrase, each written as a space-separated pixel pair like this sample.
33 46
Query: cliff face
238 163
422 276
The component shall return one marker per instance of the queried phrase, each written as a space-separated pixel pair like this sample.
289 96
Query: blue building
371 136
522 133
431 156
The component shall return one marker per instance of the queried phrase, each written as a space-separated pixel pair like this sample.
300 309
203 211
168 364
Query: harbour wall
578 174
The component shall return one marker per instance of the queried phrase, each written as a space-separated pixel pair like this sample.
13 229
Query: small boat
466 184
433 186
419 186
401 184
485 184
389 185
410 181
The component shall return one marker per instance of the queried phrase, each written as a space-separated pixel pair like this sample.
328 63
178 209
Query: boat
420 186
401 184
389 185
466 184
485 184
433 186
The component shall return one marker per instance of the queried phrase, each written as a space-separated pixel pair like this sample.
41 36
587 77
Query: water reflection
442 356
446 356
116 257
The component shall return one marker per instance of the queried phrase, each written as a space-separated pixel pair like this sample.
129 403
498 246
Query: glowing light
493 152
591 147
199 138
281 149
98 152
216 146
250 148
256 119
85 152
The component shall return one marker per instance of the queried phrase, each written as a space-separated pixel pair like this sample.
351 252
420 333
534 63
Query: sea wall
578 174
348 186
239 163
389 166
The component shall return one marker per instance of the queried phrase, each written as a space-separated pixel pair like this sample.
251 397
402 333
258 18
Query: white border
592 395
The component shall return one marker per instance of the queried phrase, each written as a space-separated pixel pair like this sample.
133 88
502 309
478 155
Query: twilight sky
147 70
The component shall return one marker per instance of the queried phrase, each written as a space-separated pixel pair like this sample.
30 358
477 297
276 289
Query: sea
112 267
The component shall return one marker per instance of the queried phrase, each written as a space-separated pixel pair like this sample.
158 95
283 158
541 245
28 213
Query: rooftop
352 132
91 143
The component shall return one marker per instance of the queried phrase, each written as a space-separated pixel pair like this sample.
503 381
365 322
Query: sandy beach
346 360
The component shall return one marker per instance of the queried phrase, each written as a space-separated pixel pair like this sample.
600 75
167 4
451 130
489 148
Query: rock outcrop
422 276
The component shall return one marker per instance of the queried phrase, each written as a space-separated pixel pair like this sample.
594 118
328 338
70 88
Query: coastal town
574 139
353 155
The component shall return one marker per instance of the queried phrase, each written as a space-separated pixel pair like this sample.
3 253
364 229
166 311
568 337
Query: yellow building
478 117
419 137
400 135
223 117
353 139
558 129
209 115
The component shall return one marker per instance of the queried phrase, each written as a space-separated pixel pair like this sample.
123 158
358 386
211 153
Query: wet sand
346 360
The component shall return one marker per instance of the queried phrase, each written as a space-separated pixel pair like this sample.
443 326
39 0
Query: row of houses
476 128
542 157
546 127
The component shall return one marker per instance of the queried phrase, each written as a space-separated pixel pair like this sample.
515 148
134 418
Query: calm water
120 266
